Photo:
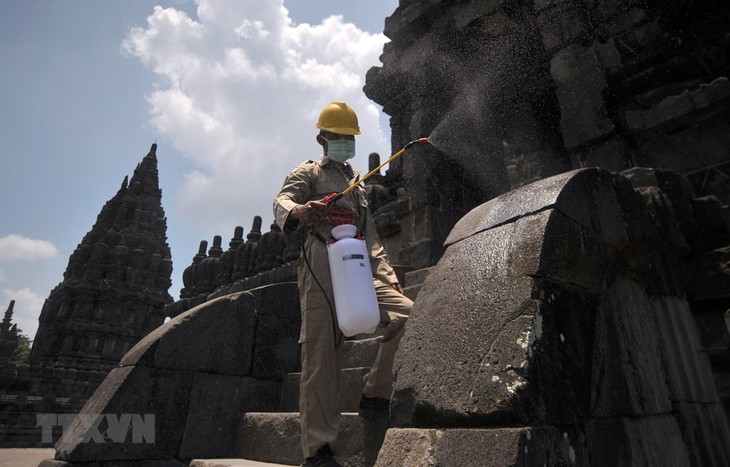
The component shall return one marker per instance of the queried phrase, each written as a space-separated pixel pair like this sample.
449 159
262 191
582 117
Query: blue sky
229 89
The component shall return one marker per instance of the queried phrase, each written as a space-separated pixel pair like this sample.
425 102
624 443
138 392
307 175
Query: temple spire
119 273
5 326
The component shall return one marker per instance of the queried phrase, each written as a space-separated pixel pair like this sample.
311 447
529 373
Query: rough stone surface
217 337
707 143
581 82
627 372
700 424
422 253
194 374
561 312
684 366
137 391
274 437
216 402
275 351
423 378
145 463
710 275
526 446
709 213
360 353
586 196
491 382
613 155
654 440
564 25
269 437
609 84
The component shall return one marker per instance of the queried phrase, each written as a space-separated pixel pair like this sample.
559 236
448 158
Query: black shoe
373 407
323 458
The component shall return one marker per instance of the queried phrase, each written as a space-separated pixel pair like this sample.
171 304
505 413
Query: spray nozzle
417 141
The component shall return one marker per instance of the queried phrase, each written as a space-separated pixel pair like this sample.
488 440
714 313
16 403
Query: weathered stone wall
512 92
262 259
557 321
20 414
196 374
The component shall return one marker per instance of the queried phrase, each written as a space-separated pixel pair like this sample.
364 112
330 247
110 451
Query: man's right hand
309 213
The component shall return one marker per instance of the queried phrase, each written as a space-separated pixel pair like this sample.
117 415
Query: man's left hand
398 288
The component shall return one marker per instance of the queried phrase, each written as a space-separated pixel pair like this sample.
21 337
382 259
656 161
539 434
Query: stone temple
113 293
566 237
8 334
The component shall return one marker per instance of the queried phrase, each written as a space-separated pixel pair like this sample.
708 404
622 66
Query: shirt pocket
328 185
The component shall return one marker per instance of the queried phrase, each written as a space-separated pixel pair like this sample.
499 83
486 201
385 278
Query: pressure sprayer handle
331 198
335 196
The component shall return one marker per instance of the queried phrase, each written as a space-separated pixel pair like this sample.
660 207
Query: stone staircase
414 281
273 438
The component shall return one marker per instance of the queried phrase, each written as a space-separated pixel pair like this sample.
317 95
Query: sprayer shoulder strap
319 237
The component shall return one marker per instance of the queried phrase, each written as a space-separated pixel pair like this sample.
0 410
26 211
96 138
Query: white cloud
26 311
252 30
241 90
15 247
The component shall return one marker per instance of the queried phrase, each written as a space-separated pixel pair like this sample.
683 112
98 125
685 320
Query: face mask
341 150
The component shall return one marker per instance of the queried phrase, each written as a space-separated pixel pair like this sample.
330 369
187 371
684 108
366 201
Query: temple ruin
113 293
8 335
566 236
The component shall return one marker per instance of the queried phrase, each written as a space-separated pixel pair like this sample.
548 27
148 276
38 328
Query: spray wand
335 196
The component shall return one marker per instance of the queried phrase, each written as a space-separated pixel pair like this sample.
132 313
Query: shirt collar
324 160
347 168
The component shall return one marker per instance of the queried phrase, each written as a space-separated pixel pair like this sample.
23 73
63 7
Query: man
300 202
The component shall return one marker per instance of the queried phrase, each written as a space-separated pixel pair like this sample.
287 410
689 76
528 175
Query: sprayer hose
324 292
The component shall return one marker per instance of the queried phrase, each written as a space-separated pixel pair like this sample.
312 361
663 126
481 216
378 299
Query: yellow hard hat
338 118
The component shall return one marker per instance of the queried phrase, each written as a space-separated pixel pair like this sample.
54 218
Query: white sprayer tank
352 282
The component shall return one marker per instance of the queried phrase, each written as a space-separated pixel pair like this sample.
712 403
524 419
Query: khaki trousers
319 405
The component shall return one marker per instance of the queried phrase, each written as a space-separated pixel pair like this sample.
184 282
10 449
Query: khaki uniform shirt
313 180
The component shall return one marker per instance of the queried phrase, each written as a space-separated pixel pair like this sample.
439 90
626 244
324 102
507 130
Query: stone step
414 282
484 447
417 277
357 357
233 463
350 390
360 353
275 437
412 291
